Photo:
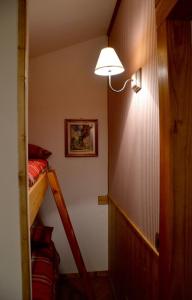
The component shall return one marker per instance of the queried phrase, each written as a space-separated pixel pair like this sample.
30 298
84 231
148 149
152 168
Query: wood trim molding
163 8
135 228
113 17
26 280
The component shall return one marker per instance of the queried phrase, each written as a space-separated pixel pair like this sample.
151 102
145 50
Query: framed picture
81 138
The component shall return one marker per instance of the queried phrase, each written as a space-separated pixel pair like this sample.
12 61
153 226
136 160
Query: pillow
41 236
37 152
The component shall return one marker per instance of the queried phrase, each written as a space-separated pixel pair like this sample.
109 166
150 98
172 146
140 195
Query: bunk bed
36 196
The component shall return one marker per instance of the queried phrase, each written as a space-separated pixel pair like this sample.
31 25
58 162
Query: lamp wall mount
135 80
120 90
109 64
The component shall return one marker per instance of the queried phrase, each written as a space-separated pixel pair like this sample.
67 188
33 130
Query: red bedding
45 262
35 168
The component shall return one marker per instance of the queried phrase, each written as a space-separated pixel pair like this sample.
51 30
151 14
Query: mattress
35 168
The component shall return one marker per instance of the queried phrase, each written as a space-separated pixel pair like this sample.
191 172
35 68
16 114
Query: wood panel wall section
133 261
166 160
134 118
134 155
180 62
175 74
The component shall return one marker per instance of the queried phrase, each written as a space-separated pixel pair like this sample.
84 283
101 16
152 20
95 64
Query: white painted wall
63 85
10 252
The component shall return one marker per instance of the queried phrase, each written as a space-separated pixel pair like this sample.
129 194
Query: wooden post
22 133
60 203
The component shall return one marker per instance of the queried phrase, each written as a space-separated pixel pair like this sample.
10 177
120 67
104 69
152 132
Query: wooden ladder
60 203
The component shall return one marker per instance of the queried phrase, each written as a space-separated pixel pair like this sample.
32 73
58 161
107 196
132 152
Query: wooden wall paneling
134 118
26 282
134 156
165 163
175 73
111 242
133 264
180 76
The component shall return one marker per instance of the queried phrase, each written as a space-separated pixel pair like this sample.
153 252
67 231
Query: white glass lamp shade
108 63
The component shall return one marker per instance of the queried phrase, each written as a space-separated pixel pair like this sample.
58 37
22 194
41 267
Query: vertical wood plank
133 264
180 76
175 73
22 151
166 199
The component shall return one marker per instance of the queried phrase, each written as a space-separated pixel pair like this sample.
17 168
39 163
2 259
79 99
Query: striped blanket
45 262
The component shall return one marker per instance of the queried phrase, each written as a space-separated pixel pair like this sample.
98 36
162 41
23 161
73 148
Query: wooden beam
113 17
163 9
166 198
60 203
23 192
36 196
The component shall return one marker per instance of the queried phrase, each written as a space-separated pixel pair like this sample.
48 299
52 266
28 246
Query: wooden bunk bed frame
36 197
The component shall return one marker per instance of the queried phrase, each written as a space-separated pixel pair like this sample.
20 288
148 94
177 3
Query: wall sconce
109 64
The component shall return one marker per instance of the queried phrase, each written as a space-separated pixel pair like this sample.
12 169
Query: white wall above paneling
63 85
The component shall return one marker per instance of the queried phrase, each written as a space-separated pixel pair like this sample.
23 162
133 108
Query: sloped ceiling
54 24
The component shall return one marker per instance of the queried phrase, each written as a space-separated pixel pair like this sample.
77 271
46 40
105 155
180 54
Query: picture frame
81 137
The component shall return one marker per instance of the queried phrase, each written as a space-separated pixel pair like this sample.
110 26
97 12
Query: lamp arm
118 91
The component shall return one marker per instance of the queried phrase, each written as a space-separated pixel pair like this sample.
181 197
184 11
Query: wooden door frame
168 215
166 200
22 153
163 8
